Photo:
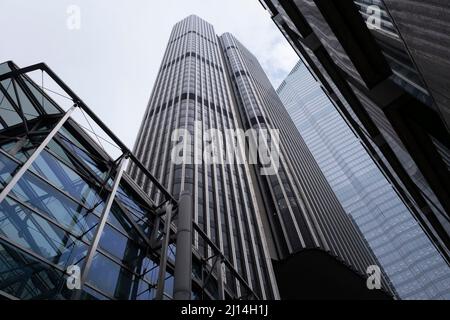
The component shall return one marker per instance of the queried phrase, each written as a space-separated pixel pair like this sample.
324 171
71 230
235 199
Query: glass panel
27 107
171 252
78 150
134 206
118 220
27 278
61 153
394 49
68 180
8 146
114 280
7 170
150 270
27 149
22 149
146 291
48 106
31 231
139 214
7 111
4 68
21 100
65 157
122 248
36 193
168 285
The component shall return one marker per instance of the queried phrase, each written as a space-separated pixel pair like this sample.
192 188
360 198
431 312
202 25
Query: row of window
192 97
196 33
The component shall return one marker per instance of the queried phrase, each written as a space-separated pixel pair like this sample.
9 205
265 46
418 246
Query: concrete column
183 260
159 295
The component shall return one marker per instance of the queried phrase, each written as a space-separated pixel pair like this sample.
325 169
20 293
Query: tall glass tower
412 263
211 82
305 213
384 64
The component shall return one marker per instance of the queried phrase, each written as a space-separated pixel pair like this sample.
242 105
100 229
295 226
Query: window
51 202
31 231
28 278
65 178
7 170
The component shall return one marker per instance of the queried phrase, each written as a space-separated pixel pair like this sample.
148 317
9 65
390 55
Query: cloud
113 60
278 61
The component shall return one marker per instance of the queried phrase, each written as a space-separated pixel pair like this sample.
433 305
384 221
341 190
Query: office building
206 81
75 224
192 92
307 213
413 265
384 64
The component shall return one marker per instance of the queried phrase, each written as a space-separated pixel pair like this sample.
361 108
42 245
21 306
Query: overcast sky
111 62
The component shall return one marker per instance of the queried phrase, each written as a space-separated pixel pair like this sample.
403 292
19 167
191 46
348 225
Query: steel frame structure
169 206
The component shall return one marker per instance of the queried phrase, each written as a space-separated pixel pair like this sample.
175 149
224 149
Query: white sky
111 62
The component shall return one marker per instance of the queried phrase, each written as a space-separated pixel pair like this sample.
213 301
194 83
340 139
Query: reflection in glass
27 278
7 170
25 228
54 204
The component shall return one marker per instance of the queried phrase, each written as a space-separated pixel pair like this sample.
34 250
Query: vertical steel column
220 277
183 262
163 256
35 154
103 219
154 233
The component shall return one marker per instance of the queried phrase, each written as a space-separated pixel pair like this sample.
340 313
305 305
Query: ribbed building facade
210 82
303 211
192 91
413 265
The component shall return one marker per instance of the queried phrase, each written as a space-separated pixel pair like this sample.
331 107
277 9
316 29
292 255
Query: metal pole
154 233
35 154
183 261
102 222
163 255
220 277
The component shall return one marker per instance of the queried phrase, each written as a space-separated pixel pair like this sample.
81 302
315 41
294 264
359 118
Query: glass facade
384 65
306 212
395 52
210 82
56 184
413 265
51 214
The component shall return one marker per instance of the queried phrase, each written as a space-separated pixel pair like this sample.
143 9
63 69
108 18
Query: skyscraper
304 212
192 91
384 63
205 82
414 266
